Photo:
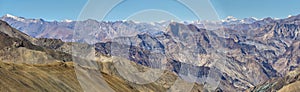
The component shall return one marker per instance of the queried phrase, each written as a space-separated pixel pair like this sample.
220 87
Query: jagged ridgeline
241 54
40 64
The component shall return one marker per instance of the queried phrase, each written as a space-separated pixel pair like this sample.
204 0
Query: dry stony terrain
61 77
258 56
38 65
289 83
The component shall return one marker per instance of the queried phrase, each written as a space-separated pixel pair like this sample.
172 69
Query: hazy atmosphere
149 46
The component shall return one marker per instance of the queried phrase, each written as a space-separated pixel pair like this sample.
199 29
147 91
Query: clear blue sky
70 9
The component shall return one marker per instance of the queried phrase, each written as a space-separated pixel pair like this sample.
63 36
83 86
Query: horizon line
136 21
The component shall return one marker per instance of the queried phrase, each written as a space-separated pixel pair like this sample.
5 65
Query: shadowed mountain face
289 83
196 52
20 48
40 64
237 55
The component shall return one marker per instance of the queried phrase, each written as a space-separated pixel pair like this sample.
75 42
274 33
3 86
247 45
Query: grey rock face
241 55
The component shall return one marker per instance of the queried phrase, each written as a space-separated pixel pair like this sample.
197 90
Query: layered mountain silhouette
231 55
40 64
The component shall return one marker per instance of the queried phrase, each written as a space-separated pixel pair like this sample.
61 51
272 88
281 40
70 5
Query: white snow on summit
14 17
230 19
11 16
67 20
233 20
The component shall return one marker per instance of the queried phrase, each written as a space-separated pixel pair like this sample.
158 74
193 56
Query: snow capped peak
254 18
20 19
231 18
10 16
67 20
14 17
135 21
276 18
249 20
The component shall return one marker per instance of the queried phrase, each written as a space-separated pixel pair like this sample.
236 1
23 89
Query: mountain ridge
237 56
53 69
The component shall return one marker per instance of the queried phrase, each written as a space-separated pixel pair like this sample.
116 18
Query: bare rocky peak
242 55
12 32
49 66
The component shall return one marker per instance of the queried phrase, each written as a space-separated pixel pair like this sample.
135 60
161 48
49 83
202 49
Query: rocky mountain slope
201 52
232 55
60 77
289 83
43 77
31 64
241 56
18 47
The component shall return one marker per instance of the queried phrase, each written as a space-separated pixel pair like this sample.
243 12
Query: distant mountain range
65 29
39 64
237 54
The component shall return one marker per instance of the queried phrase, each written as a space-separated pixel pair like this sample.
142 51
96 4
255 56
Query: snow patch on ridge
67 20
15 17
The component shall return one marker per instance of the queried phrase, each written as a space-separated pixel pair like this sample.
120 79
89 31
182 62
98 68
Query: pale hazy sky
70 9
